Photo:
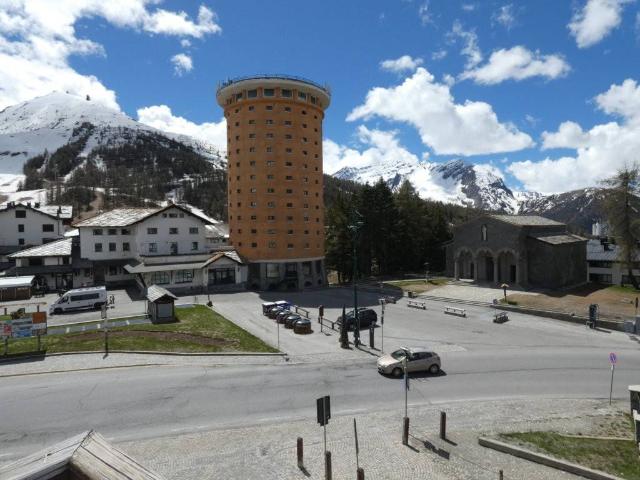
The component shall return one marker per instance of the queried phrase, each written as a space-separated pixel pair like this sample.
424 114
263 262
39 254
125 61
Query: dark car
290 320
366 316
274 311
282 315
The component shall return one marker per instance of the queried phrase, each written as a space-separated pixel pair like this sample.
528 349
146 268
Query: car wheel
434 369
397 372
57 310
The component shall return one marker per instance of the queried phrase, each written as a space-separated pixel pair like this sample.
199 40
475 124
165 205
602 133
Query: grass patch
404 284
198 329
508 302
617 457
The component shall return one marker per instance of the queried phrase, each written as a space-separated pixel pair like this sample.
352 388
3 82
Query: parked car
418 359
267 306
282 315
79 299
290 320
274 311
366 316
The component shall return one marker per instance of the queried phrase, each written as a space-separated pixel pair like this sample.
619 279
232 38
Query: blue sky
542 91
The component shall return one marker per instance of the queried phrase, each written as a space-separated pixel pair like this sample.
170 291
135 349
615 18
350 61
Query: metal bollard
443 425
405 431
300 452
360 473
500 475
327 465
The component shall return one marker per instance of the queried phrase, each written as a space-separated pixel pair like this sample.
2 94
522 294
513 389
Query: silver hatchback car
418 359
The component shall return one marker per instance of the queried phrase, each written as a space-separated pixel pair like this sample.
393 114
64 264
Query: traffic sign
613 358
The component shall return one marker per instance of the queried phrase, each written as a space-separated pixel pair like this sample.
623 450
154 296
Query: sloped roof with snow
527 220
59 248
64 212
123 217
559 239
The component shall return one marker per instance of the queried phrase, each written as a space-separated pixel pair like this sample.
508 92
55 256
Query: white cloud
424 14
470 48
383 149
505 16
401 64
37 38
599 152
161 117
622 100
595 21
449 128
185 43
517 63
182 63
468 7
439 55
178 23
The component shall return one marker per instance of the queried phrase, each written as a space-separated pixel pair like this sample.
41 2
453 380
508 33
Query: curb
545 460
151 352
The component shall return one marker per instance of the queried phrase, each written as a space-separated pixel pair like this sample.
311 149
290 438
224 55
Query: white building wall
139 239
163 222
33 222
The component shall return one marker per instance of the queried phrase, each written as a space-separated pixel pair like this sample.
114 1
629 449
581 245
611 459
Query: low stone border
545 460
609 324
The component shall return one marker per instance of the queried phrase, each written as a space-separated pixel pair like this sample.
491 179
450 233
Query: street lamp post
355 226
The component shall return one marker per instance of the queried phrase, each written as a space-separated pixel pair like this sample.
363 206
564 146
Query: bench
416 304
501 317
301 311
460 312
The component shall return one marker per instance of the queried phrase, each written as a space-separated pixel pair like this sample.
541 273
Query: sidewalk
268 451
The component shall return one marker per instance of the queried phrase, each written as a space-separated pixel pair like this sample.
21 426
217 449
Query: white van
80 298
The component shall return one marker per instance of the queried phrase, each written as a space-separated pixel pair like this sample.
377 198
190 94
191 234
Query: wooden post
327 465
299 448
405 431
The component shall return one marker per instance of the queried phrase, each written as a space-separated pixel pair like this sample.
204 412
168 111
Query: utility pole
355 226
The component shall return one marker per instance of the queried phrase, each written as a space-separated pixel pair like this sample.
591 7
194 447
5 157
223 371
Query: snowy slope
456 181
48 122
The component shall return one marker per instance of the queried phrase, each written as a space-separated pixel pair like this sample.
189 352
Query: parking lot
449 335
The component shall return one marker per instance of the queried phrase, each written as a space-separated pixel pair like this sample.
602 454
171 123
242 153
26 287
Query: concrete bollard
405 431
300 451
443 425
360 474
327 465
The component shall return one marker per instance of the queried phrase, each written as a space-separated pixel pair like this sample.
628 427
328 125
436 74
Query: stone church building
523 250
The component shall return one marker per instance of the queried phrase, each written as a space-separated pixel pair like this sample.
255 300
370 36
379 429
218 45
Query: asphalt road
135 403
526 357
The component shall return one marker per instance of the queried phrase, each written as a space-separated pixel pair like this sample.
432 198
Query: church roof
527 220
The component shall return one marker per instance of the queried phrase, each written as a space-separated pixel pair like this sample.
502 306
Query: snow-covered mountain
456 181
49 122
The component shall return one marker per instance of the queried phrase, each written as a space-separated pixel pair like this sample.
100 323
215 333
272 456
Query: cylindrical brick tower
274 148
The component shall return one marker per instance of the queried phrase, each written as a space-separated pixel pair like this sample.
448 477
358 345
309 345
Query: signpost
355 433
106 329
613 359
323 407
382 303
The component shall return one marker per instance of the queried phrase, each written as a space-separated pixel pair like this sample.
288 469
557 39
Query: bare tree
622 216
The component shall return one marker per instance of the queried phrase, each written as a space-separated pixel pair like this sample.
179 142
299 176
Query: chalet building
162 246
523 250
55 266
24 225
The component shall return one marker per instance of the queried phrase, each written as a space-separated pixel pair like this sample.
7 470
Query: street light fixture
355 226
